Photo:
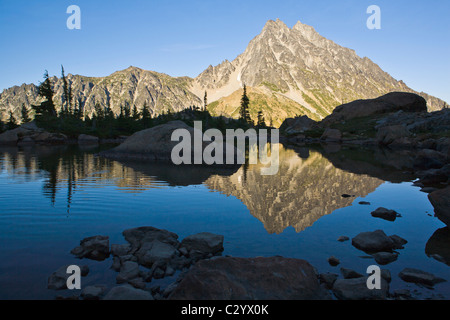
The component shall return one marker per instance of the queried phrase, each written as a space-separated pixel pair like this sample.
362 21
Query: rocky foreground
202 274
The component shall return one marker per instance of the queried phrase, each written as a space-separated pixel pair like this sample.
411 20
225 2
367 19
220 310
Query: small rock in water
333 261
343 239
384 258
420 277
383 213
364 203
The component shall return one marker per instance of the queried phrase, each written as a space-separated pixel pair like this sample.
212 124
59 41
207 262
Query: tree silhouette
25 117
244 110
47 107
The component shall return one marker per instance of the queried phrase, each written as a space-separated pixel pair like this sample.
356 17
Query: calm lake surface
52 197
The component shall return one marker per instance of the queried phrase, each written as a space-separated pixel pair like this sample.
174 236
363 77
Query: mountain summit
288 72
299 66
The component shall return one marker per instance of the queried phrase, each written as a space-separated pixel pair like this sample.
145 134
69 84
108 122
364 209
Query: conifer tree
244 110
12 123
47 107
24 113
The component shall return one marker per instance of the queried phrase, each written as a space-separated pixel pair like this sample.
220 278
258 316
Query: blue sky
184 37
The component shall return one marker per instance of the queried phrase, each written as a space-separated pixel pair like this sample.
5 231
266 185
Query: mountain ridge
291 72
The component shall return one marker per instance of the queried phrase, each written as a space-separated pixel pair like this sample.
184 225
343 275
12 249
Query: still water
52 197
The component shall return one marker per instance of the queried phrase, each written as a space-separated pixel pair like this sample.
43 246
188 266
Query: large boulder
228 278
153 144
440 200
391 102
11 137
297 125
156 145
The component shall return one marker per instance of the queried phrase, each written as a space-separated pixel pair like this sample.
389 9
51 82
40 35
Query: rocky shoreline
203 274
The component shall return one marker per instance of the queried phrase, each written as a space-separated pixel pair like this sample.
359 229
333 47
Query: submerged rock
419 276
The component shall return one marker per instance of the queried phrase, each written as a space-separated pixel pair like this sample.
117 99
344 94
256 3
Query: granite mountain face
298 64
288 72
129 87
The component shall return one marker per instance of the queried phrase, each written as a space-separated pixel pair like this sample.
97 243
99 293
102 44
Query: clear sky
182 38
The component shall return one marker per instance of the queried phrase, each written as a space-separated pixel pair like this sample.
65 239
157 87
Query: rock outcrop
250 279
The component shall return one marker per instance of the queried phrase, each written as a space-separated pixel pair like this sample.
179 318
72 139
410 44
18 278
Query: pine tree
47 107
205 101
24 113
135 113
261 121
66 96
244 110
11 121
146 116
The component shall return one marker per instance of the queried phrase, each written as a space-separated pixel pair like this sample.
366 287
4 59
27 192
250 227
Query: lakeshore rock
129 270
356 289
384 258
297 125
419 276
386 214
440 200
331 135
350 274
372 242
273 278
127 292
391 102
388 135
87 139
93 292
58 279
203 244
94 248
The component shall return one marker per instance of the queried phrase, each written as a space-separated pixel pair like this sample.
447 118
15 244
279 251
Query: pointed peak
277 24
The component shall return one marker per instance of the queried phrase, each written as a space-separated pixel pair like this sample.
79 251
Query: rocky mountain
288 72
300 65
132 87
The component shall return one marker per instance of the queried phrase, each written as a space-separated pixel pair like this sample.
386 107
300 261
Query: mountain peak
307 31
277 25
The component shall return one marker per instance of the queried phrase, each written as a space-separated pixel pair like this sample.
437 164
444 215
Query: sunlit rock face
304 190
